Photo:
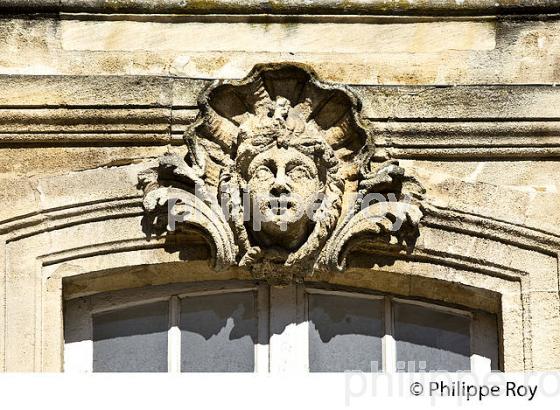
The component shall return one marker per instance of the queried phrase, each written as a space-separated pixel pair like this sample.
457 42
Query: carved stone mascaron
280 174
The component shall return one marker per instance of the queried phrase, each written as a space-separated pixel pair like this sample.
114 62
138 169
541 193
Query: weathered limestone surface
399 51
463 95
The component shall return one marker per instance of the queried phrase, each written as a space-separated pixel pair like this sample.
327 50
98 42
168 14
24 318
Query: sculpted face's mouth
279 206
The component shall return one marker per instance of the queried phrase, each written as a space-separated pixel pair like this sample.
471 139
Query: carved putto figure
281 175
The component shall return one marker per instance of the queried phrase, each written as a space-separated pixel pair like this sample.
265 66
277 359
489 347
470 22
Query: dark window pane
345 333
429 339
132 339
218 333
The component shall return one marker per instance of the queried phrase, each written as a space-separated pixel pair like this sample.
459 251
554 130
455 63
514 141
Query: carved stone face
283 185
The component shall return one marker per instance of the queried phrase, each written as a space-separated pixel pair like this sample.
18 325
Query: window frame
275 307
78 356
388 341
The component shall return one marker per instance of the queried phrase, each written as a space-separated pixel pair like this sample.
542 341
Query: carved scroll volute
386 213
265 172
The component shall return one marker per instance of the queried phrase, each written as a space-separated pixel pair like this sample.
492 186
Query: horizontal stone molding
450 122
380 102
44 91
470 139
460 102
295 7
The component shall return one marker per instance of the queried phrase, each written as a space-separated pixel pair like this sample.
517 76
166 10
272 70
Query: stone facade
106 107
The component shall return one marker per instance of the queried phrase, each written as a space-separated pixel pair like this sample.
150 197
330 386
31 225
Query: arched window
246 327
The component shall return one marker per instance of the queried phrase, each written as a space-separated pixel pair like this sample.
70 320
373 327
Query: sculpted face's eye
263 173
298 172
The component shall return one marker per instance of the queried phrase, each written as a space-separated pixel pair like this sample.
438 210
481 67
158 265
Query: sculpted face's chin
283 185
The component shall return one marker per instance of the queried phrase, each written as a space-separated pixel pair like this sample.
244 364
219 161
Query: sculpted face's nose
280 186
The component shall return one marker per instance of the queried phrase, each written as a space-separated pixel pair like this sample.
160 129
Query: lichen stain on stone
207 5
112 64
209 65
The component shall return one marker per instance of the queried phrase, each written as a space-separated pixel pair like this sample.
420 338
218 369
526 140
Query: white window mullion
174 337
302 320
287 331
389 344
262 349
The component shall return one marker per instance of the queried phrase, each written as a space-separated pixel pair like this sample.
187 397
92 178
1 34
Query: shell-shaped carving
333 109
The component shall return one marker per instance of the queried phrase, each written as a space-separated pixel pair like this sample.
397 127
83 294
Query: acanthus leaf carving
391 215
269 163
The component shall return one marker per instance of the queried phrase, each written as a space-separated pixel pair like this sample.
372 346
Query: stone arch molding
282 175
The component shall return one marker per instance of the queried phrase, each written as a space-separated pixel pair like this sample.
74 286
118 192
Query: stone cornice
407 122
287 7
